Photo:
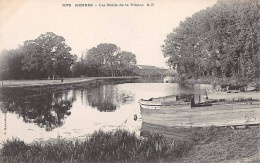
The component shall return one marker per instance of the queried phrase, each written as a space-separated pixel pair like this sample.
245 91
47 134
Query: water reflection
47 111
108 98
76 113
149 80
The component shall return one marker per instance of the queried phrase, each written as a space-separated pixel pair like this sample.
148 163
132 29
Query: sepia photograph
130 81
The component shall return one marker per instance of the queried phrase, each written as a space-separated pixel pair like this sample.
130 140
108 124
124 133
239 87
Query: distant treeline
221 41
153 71
48 57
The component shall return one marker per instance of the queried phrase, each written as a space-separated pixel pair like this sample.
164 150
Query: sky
136 29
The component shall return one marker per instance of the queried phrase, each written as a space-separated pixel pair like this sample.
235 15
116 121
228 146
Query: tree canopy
105 60
221 41
46 56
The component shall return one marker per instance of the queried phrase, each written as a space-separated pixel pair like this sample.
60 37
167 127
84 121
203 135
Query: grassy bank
225 145
70 82
220 81
45 82
6 91
213 144
120 146
210 144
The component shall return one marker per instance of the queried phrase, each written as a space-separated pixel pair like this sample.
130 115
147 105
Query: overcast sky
140 30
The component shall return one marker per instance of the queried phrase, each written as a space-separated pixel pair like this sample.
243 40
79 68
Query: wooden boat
151 101
167 100
249 88
186 114
168 79
232 89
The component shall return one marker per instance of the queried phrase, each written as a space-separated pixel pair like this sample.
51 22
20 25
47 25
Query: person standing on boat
192 102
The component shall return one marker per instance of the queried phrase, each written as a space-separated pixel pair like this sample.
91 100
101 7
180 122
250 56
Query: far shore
77 80
44 82
11 88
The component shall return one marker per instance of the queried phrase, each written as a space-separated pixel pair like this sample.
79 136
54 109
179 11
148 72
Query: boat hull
221 114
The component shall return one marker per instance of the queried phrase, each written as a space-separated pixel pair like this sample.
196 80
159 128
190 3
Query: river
75 114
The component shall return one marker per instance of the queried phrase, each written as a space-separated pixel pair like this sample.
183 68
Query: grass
119 146
224 145
211 144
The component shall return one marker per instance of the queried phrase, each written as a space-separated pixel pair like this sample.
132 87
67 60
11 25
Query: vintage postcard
129 81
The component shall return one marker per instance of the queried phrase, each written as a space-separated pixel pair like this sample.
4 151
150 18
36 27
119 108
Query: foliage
46 56
220 41
105 60
209 144
118 146
10 64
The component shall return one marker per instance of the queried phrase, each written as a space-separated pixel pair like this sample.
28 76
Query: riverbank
213 144
28 87
36 83
192 145
119 146
220 81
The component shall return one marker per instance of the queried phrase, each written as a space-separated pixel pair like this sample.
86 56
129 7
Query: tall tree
10 64
48 54
127 63
105 60
222 40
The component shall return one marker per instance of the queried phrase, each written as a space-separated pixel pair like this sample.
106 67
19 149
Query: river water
75 114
